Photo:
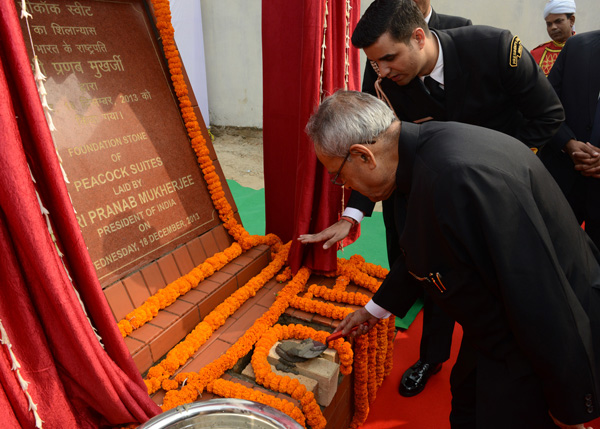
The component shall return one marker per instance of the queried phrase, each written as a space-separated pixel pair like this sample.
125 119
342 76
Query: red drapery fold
299 197
72 379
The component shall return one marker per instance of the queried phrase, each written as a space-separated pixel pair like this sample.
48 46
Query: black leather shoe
414 379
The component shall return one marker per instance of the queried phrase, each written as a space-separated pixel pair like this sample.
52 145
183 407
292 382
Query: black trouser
436 339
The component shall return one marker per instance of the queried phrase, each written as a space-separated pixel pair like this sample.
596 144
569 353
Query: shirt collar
428 17
438 71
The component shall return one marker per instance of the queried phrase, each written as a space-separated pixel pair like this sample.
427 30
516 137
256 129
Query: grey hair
346 118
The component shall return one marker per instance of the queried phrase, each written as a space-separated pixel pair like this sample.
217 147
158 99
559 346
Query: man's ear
572 19
419 35
364 155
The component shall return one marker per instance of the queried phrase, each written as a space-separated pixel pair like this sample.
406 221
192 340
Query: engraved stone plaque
132 175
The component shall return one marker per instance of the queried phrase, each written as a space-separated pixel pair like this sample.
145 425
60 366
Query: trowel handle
340 334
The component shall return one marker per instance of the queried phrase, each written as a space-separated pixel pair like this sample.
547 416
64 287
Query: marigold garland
215 319
169 294
230 389
372 366
382 344
266 377
242 346
361 392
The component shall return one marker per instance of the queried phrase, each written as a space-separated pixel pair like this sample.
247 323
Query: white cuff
354 214
377 311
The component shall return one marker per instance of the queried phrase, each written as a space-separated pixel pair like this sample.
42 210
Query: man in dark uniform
573 155
479 75
490 237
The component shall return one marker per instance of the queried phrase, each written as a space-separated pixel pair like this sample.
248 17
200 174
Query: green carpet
371 243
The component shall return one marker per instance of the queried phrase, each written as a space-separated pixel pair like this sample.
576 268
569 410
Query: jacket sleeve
555 77
399 290
533 95
546 283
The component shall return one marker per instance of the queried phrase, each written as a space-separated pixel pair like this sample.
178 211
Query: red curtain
299 198
71 378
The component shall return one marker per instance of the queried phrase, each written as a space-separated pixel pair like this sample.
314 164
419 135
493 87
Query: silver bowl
222 414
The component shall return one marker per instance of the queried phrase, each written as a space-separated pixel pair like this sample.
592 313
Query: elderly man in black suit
490 237
473 74
573 155
436 338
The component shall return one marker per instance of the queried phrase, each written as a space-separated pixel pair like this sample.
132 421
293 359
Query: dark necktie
595 135
434 88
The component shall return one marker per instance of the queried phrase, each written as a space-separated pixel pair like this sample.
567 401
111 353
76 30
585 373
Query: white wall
232 43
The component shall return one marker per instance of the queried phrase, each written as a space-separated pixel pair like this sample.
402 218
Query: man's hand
336 232
585 156
565 426
359 317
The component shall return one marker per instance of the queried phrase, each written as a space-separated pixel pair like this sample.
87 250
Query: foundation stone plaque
132 175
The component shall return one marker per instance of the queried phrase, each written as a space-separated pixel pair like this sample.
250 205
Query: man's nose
384 70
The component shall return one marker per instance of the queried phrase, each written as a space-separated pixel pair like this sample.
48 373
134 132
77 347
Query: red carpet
428 410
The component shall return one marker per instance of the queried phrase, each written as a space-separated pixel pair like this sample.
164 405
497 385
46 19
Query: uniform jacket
496 245
576 79
490 81
545 55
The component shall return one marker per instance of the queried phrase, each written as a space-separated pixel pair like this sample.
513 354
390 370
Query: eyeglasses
335 178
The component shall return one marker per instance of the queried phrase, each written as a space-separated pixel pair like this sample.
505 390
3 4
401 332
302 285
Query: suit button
590 409
588 397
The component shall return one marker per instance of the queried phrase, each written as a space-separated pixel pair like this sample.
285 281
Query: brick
196 251
153 278
194 297
209 354
174 334
208 286
309 383
267 299
217 297
179 307
252 269
143 359
146 333
209 243
231 269
169 268
164 319
158 397
322 320
331 355
222 237
223 278
243 259
133 345
118 300
240 326
136 288
183 260
323 371
303 315
243 309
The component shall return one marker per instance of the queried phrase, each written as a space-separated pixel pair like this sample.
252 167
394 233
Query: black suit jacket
575 77
490 81
509 263
444 22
